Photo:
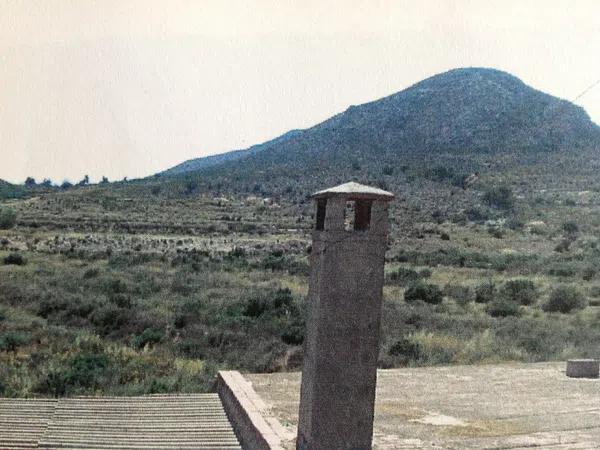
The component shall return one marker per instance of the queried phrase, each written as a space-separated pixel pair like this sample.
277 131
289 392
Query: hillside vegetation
153 285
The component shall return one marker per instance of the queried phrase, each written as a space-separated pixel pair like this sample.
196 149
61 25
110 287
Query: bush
570 227
8 218
87 370
564 299
83 371
53 383
278 304
496 232
294 334
500 197
428 293
15 259
403 276
477 215
110 318
11 341
91 273
563 246
503 308
148 336
405 350
522 292
485 292
461 294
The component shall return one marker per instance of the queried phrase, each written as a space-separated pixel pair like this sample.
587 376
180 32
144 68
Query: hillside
149 286
457 118
215 160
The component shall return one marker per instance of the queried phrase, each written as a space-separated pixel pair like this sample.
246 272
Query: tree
66 184
46 183
85 181
30 182
104 180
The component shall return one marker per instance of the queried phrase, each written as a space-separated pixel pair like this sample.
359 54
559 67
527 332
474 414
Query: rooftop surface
355 190
192 421
509 406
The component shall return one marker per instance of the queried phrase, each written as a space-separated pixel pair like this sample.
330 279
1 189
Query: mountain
444 127
210 161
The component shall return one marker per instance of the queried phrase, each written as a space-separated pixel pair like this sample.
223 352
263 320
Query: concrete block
583 368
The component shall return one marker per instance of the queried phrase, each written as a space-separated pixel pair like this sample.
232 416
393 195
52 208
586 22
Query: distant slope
474 110
462 119
215 160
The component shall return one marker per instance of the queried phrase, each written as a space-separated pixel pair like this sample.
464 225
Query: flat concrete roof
514 406
354 190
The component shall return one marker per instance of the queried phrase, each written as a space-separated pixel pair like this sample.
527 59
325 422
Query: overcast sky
129 88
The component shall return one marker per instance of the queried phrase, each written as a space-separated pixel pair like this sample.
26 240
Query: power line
586 90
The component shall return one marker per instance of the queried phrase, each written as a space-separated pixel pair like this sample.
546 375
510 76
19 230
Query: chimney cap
355 191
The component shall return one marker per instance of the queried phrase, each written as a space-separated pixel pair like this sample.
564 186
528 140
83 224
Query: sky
129 88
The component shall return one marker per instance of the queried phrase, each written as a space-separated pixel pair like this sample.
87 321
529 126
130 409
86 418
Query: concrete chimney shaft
344 310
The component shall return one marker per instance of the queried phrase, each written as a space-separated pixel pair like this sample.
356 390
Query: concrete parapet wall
254 426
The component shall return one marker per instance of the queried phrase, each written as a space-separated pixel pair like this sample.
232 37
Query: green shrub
564 299
54 383
159 386
115 286
425 273
496 232
8 218
515 223
87 370
81 373
485 292
405 350
500 197
294 334
563 246
274 263
110 318
11 341
570 227
503 308
50 305
477 215
521 291
91 273
589 273
15 259
279 303
562 269
121 300
461 294
428 293
149 336
403 276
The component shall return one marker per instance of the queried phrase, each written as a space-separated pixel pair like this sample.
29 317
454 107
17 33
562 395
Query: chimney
341 347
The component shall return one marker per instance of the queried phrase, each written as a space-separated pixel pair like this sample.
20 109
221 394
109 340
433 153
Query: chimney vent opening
321 209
